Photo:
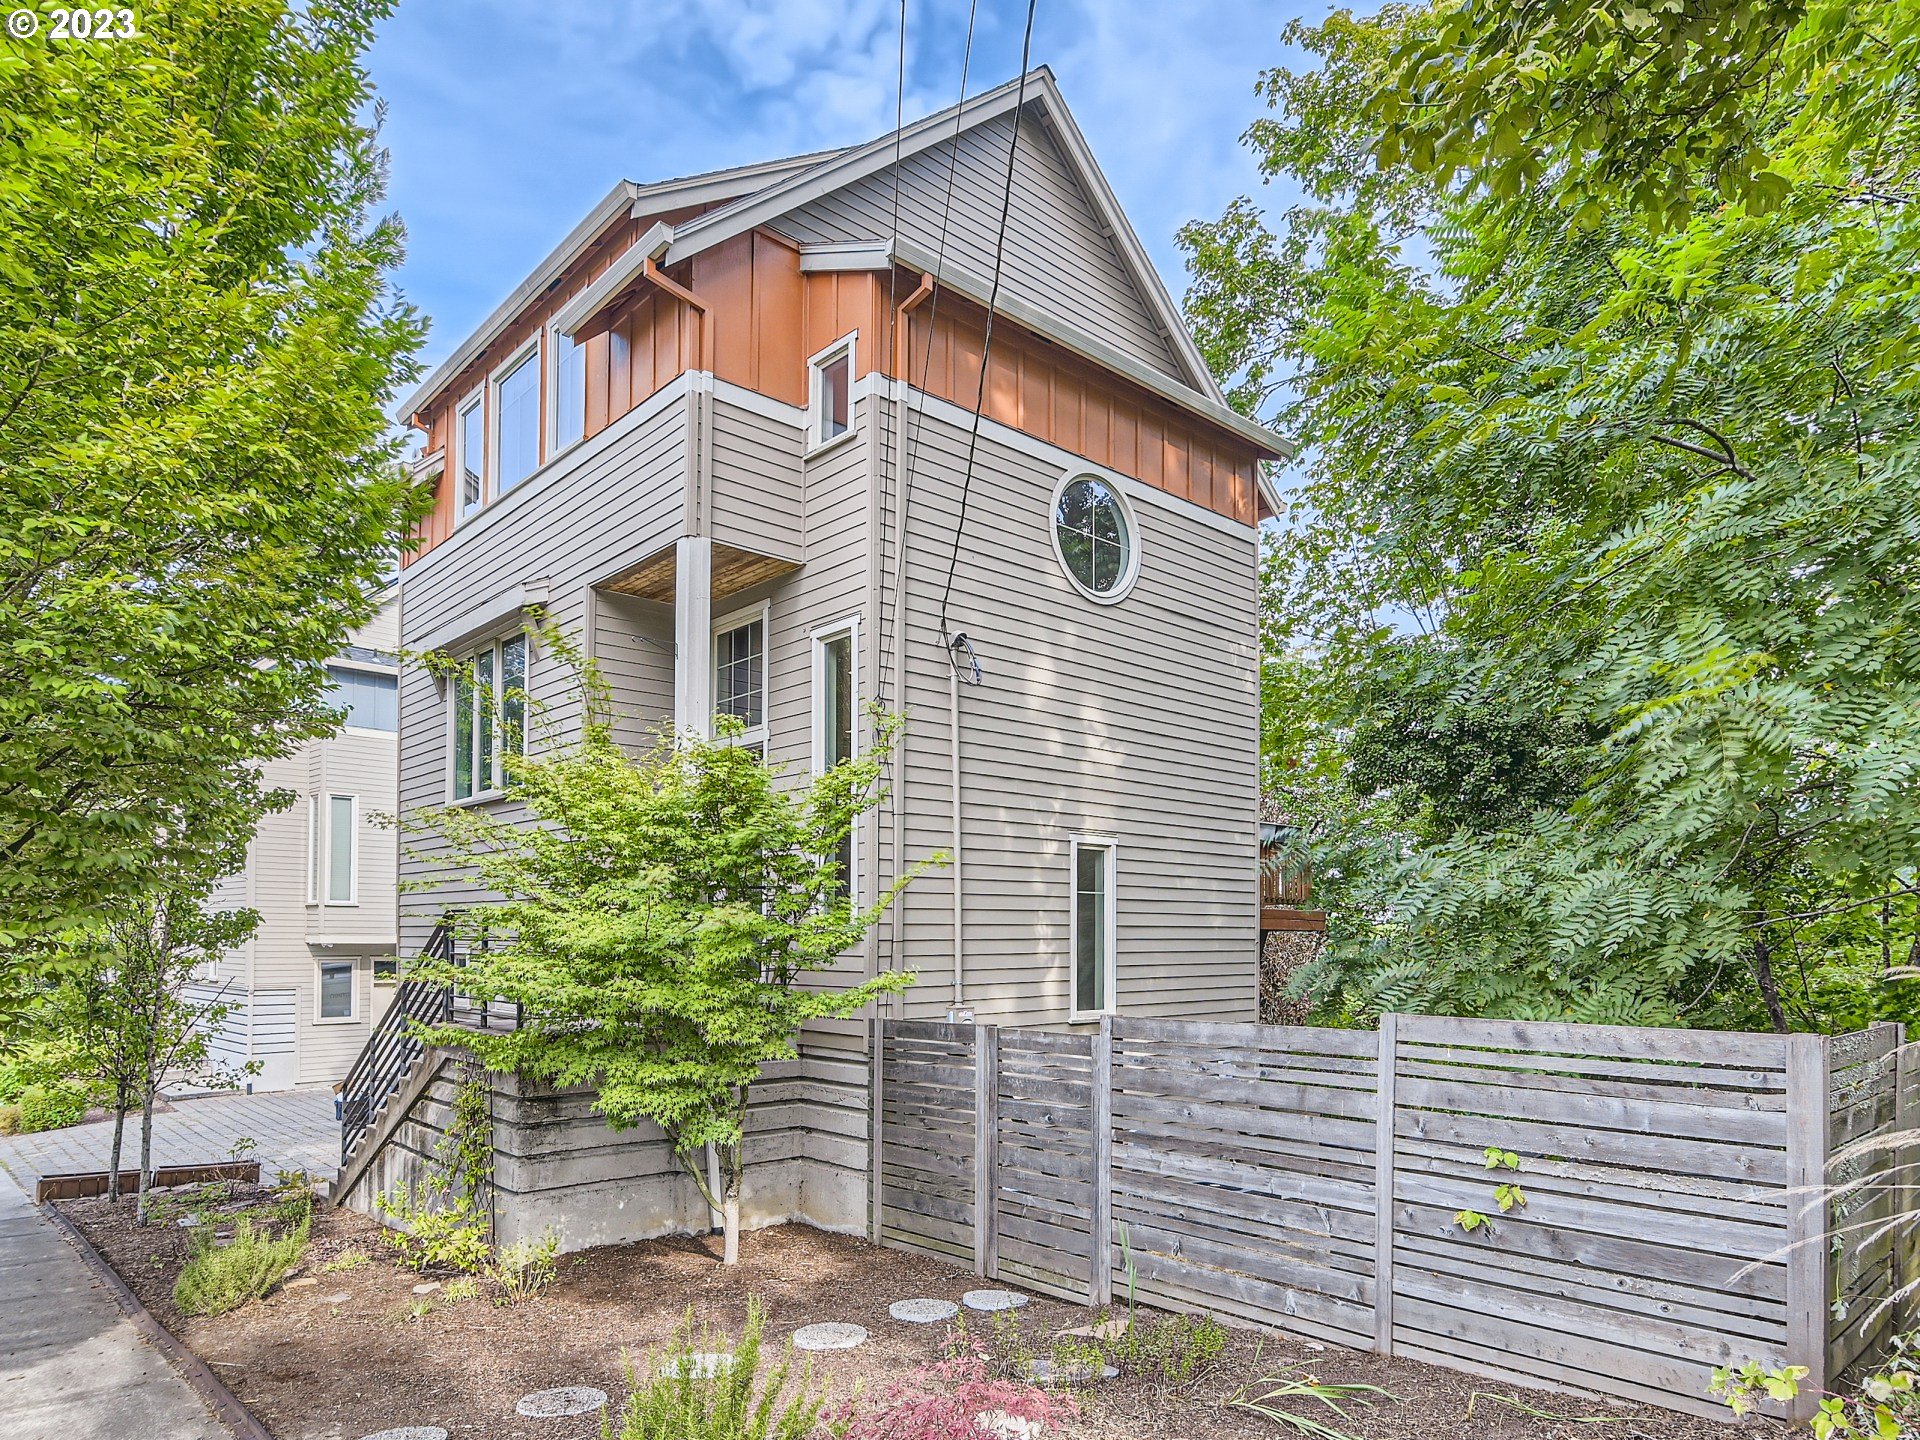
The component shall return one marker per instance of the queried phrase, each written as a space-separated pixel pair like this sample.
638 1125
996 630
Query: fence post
1383 1122
875 1155
986 1129
1808 1112
1100 1273
1906 1071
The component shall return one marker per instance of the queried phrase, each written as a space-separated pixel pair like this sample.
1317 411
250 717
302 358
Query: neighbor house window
1092 926
386 970
371 700
835 704
343 846
336 989
740 675
1093 536
489 716
470 425
569 390
830 399
516 427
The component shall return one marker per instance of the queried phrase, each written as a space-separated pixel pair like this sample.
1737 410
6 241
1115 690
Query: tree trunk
1769 986
146 1153
119 1135
730 1213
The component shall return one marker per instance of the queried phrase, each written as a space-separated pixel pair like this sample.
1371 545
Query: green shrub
439 1228
220 1278
49 1104
9 1119
13 1079
525 1268
675 1403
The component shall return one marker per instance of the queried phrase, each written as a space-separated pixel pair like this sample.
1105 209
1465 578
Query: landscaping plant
958 1398
661 918
1267 1397
1885 1405
675 1401
524 1268
219 1278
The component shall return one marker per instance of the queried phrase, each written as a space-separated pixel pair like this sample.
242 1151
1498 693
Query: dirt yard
355 1351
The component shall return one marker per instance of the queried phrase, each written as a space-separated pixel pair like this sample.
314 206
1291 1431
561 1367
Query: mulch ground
350 1354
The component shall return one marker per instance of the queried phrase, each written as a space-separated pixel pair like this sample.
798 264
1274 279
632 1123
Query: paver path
290 1129
72 1367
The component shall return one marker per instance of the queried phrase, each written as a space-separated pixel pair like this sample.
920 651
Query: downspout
959 890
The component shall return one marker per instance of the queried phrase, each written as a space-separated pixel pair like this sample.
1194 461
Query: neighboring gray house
320 968
722 435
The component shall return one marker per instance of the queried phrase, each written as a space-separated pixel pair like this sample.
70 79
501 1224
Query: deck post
1906 1154
876 1159
1808 1112
1100 1271
1383 1141
693 635
986 1089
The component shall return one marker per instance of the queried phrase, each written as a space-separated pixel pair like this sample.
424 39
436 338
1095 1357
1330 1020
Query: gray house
726 435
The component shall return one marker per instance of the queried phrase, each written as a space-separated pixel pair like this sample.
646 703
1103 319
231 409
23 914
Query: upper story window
343 849
516 426
1093 535
830 393
569 390
371 699
489 717
740 674
470 434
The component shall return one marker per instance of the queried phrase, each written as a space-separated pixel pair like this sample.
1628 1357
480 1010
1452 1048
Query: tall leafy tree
1600 587
197 485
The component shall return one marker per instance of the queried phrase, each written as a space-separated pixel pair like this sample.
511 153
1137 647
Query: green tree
198 488
659 922
1600 586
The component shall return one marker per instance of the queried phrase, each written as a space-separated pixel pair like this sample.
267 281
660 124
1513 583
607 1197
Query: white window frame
555 445
534 351
353 852
1075 844
1134 546
457 449
733 620
315 815
495 787
352 1016
848 628
848 345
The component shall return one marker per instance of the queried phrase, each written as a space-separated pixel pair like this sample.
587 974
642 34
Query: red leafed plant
956 1399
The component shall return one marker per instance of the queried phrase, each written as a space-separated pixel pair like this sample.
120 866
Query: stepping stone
411 1432
1043 1372
993 1300
189 1222
830 1335
566 1400
1002 1426
303 1281
342 1298
426 1287
701 1365
1106 1330
923 1312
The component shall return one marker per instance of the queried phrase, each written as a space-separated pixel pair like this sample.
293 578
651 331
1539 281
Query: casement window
370 699
836 700
343 849
569 391
830 393
489 717
516 423
1094 537
336 990
470 443
740 674
1094 863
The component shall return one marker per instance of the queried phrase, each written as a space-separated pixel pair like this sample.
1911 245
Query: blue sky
507 121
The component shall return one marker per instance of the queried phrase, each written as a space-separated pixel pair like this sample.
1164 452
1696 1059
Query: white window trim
352 1017
535 351
314 814
1075 844
733 620
849 345
353 855
1132 573
457 447
495 788
849 627
551 401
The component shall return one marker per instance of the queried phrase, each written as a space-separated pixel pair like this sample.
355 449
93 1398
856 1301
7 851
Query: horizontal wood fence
1691 1198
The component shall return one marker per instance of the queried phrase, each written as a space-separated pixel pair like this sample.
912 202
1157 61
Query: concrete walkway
290 1129
72 1366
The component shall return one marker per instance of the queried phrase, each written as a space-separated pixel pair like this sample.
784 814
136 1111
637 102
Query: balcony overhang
734 570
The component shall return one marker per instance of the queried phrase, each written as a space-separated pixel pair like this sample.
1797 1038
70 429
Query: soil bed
352 1354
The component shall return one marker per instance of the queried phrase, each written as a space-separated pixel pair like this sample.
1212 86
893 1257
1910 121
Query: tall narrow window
486 702
513 696
740 677
489 717
1093 925
342 849
472 422
516 404
336 989
463 706
835 701
831 393
569 390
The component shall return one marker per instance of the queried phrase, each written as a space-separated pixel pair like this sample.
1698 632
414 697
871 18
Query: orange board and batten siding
767 318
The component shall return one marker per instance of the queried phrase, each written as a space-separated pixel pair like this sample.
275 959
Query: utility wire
986 348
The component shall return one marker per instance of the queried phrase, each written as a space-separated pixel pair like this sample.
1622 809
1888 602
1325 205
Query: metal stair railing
388 1056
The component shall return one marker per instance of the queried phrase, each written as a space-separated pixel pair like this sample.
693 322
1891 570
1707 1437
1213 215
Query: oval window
1093 533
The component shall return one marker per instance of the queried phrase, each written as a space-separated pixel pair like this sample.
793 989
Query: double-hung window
740 675
569 390
830 393
489 716
835 724
516 426
1094 866
470 436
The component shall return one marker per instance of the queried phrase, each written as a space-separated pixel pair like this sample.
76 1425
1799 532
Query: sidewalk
72 1367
